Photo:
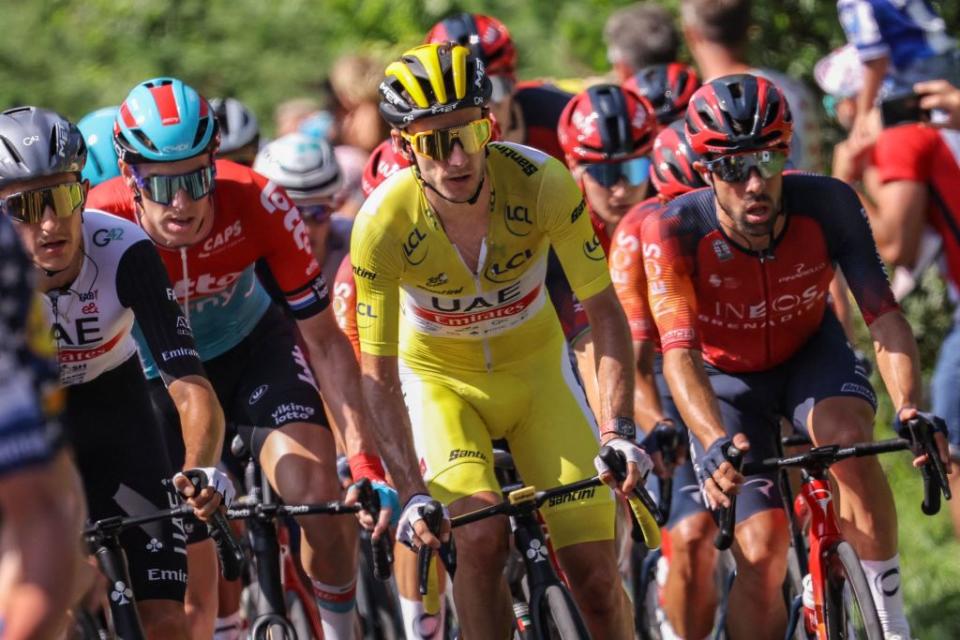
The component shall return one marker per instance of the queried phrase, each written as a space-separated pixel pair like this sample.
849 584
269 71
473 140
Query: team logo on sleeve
412 247
593 249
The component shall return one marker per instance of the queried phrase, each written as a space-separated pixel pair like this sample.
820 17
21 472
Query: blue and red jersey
749 311
215 279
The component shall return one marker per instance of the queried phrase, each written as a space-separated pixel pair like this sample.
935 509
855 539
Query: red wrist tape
366 465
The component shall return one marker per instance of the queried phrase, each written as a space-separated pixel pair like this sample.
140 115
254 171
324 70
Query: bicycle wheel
559 617
646 597
792 591
272 627
848 607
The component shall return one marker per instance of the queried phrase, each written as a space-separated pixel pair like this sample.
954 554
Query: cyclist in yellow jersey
450 257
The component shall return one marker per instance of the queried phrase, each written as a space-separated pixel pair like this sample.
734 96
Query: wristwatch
620 427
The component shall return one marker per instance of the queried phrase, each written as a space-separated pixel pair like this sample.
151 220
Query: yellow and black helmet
432 79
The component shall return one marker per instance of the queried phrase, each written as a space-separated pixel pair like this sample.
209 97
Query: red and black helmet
738 113
606 123
487 38
672 169
383 162
668 87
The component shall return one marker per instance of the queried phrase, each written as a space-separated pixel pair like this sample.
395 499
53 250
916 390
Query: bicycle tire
297 615
559 617
846 585
646 598
793 588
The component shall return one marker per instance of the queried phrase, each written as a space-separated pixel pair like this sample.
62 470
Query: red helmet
738 113
383 162
486 37
606 123
672 167
668 87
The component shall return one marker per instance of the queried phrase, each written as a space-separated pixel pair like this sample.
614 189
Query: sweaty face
459 176
182 222
53 243
610 204
750 207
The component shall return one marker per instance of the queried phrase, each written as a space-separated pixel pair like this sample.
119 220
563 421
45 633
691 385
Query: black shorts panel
125 470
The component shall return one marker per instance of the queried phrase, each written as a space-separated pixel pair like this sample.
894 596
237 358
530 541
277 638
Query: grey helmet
37 142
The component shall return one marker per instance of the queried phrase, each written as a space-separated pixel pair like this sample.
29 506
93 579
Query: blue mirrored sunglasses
635 172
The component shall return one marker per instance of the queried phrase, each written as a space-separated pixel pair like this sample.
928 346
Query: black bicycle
281 603
103 540
553 614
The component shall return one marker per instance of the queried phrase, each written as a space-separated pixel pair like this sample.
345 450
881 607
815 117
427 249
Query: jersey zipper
768 308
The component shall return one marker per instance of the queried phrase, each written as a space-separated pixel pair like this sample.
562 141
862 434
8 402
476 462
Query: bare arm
897 221
391 423
693 395
897 358
337 374
839 293
201 420
873 74
612 348
698 406
647 409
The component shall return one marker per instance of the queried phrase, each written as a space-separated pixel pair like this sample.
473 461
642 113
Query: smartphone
901 109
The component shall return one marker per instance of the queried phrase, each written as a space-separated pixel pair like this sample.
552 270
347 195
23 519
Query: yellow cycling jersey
414 290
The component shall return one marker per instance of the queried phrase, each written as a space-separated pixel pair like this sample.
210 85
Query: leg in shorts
540 408
751 403
125 471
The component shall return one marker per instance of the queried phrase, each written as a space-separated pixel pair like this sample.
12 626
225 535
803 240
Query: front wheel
559 617
848 608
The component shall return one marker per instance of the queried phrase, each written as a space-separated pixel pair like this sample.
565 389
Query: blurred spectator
900 42
640 35
354 80
239 130
840 76
289 114
716 34
919 174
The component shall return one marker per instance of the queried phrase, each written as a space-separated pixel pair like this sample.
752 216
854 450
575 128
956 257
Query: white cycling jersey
121 280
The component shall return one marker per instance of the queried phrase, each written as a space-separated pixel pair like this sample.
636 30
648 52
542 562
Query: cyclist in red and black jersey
737 279
606 133
211 221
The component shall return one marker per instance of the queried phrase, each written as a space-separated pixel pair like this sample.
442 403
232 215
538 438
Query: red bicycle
842 606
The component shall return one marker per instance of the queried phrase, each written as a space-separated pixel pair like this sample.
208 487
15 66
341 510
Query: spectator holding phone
899 42
918 169
941 96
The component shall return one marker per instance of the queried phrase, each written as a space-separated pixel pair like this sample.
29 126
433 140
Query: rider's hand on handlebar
219 490
719 478
639 465
413 530
900 425
389 508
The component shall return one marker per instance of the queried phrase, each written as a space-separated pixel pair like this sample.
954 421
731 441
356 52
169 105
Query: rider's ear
701 168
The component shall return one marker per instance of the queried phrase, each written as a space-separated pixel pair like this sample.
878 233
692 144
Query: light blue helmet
97 130
164 120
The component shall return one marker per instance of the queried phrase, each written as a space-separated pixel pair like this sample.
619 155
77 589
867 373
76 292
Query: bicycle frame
815 501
